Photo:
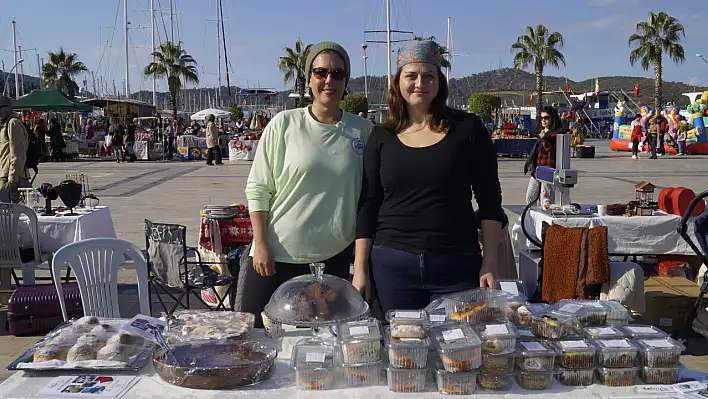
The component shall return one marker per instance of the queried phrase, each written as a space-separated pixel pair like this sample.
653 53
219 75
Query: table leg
5 285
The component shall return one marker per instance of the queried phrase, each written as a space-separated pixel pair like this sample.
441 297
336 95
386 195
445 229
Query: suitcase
35 309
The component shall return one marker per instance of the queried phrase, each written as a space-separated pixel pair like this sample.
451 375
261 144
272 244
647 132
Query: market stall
244 150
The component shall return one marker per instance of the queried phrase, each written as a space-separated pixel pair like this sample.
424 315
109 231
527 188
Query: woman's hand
263 259
486 276
362 282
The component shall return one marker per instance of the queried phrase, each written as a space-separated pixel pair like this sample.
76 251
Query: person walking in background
652 136
118 142
40 131
13 154
681 136
543 153
212 141
663 127
56 140
130 142
636 136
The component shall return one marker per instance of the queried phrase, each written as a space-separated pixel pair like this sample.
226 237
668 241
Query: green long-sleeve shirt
307 176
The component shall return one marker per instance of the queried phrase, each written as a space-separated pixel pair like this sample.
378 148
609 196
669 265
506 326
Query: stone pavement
175 191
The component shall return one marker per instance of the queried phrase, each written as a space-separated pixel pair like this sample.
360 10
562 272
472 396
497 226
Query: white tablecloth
235 152
141 150
58 231
282 384
636 235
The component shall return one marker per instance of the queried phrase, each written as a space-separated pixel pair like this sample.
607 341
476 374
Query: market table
58 231
513 146
243 150
24 385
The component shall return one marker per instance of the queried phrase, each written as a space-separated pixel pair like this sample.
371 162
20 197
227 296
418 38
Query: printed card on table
89 386
144 326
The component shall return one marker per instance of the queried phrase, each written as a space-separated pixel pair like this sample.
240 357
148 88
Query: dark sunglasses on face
321 73
545 117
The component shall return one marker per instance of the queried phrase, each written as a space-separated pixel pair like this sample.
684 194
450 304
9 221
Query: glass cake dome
316 300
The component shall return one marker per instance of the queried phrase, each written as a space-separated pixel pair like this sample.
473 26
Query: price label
359 330
573 344
616 343
602 331
437 318
659 343
410 340
451 335
314 357
407 315
570 307
496 329
642 330
533 346
510 287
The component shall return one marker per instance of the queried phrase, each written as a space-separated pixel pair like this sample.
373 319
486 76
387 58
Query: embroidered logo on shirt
358 146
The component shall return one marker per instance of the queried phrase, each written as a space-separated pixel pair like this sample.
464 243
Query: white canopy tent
218 114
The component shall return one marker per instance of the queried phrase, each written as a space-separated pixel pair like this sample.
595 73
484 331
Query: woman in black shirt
416 223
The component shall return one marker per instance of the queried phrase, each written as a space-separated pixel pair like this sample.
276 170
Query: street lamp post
366 77
4 89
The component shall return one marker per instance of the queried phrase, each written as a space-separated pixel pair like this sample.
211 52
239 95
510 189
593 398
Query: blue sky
595 31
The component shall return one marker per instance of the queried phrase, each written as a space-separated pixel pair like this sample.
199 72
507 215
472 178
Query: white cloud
696 81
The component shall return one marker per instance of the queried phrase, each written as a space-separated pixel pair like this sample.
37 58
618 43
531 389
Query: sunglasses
337 74
545 118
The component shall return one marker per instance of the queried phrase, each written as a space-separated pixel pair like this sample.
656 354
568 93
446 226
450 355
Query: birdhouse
645 193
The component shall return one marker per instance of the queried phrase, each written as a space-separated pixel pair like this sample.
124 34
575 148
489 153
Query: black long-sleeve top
419 199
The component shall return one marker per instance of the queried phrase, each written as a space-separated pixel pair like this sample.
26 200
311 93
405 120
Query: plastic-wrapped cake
190 325
316 300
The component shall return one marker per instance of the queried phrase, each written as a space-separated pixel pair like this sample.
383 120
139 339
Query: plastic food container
575 354
459 347
535 356
498 364
662 352
516 297
406 380
616 353
525 335
472 306
643 331
495 382
407 323
575 377
406 353
195 325
535 380
498 337
437 317
617 377
363 374
551 325
616 312
461 383
587 313
525 312
360 341
606 332
660 375
314 365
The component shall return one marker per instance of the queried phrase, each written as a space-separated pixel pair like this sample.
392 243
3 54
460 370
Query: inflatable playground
696 140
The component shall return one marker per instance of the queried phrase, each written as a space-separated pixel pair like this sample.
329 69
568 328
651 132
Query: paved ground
175 192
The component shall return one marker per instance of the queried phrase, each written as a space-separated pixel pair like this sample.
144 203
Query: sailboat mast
14 51
218 53
152 24
127 67
226 57
449 50
388 41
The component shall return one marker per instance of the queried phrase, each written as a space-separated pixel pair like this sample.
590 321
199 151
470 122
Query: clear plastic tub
472 306
616 311
511 311
406 380
643 331
499 364
525 312
461 383
498 337
617 377
576 377
535 356
314 365
616 353
606 332
551 325
459 347
364 374
661 353
437 317
534 380
525 335
407 323
587 313
575 355
660 375
360 341
406 353
495 382
514 288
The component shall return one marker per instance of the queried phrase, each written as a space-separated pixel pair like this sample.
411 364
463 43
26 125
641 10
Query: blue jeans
406 280
681 147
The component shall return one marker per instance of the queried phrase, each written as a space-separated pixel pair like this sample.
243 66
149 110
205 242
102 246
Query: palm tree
172 62
60 71
656 36
444 62
292 65
538 48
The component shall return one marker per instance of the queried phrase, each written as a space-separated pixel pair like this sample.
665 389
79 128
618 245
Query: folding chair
171 270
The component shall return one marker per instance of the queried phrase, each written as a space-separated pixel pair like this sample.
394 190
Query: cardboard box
669 301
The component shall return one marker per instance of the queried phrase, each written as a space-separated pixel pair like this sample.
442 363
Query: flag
636 89
566 85
597 86
531 99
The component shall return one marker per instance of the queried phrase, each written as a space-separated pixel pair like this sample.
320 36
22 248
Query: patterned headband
419 52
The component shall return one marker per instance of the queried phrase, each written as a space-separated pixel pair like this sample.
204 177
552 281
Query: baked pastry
497 364
407 331
469 311
576 377
495 382
87 320
620 377
535 381
491 346
49 352
80 352
102 329
523 316
651 375
549 327
114 352
125 339
91 339
313 379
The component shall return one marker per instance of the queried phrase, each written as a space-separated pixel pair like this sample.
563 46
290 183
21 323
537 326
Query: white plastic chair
95 263
9 240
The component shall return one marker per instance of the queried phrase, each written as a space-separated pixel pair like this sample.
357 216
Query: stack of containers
459 355
617 314
617 360
407 346
360 343
576 362
536 361
642 331
499 351
587 313
516 299
660 360
471 307
314 364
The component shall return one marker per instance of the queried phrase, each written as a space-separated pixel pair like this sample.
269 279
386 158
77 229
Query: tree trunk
301 90
657 82
538 94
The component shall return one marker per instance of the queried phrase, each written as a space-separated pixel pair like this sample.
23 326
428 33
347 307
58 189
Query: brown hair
439 114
